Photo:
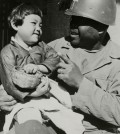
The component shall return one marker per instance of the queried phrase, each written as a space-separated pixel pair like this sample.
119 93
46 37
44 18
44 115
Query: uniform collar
112 48
109 52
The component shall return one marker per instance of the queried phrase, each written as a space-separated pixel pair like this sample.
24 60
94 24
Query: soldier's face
84 32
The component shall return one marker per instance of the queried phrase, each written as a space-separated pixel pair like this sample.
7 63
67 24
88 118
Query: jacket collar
18 47
109 52
23 46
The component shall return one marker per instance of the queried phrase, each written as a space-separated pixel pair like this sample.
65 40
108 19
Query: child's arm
51 57
7 63
50 60
32 69
42 88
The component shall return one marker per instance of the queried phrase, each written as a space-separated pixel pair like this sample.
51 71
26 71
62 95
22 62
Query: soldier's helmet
103 11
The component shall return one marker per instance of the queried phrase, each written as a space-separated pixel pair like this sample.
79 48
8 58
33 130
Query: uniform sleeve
53 43
7 62
95 101
51 58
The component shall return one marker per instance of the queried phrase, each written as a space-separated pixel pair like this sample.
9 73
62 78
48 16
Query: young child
25 47
27 52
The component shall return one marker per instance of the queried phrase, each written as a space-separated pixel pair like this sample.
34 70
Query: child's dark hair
18 14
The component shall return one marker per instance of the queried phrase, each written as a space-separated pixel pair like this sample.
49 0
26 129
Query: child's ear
14 26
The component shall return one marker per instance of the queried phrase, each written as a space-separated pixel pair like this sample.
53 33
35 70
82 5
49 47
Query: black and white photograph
59 66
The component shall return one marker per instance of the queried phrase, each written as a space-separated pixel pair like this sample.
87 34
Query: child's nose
38 28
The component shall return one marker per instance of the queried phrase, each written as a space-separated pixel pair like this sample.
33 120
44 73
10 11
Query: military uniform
98 96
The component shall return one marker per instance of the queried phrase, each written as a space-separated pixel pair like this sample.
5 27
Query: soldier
91 65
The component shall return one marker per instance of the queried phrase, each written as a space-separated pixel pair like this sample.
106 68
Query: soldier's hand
69 72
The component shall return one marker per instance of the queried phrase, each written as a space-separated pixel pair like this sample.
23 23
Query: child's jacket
14 55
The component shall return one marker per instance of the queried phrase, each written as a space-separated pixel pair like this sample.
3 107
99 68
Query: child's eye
34 23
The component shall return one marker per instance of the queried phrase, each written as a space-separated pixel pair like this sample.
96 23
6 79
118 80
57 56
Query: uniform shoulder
56 42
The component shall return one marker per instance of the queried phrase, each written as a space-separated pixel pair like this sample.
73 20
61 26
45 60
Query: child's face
30 31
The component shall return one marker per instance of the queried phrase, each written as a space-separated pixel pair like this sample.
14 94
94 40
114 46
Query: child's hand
42 88
30 68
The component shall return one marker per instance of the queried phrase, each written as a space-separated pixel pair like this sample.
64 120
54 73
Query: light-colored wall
114 31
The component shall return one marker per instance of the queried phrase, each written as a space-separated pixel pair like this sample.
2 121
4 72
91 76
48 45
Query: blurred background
114 31
55 23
